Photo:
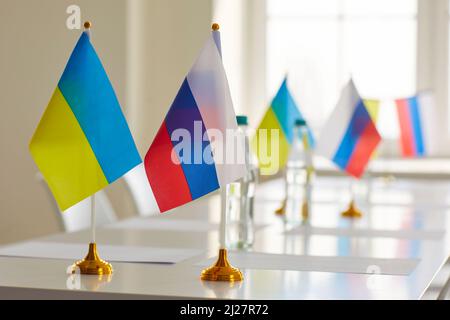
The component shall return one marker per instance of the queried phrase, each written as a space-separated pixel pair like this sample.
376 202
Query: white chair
78 217
141 192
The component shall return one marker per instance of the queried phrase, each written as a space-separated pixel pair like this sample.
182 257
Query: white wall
35 46
432 62
164 38
243 36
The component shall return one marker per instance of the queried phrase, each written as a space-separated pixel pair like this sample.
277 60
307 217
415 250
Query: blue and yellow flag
279 118
83 142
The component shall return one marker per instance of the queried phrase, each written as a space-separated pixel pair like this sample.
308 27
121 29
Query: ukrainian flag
83 142
277 127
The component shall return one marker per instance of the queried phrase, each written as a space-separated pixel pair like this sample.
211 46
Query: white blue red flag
417 122
350 136
192 153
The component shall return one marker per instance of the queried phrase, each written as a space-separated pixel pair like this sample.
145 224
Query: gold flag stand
282 209
305 210
352 211
221 270
92 264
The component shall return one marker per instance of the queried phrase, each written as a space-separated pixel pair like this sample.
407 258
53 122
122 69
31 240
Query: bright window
320 43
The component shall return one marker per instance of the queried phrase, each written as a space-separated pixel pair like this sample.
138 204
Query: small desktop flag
349 137
280 116
82 142
190 155
417 122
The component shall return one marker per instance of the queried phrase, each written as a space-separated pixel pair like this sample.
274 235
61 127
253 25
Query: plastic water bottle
240 198
298 176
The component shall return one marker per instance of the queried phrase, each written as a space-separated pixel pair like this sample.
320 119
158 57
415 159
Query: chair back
137 183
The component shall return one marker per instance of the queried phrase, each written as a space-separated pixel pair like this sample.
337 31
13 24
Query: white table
422 205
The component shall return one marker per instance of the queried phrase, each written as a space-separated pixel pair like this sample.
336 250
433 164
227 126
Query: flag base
305 210
352 211
222 270
92 264
281 210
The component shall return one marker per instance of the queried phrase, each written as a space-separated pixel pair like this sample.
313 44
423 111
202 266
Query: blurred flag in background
349 136
275 133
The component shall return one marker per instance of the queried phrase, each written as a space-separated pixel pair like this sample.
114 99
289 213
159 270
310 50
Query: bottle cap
300 122
242 120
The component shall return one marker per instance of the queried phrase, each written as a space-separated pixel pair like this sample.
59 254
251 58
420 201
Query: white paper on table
341 264
116 253
366 232
169 224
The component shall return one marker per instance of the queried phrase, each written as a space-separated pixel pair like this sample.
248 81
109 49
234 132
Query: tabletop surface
387 205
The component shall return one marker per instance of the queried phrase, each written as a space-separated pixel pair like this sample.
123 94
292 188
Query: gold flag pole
92 264
222 270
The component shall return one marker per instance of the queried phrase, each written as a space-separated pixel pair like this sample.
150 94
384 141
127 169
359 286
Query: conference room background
392 49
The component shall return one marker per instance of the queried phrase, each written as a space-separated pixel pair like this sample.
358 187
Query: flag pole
93 213
92 264
221 270
223 217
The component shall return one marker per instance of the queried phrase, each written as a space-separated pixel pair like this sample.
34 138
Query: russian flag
202 106
417 122
350 136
